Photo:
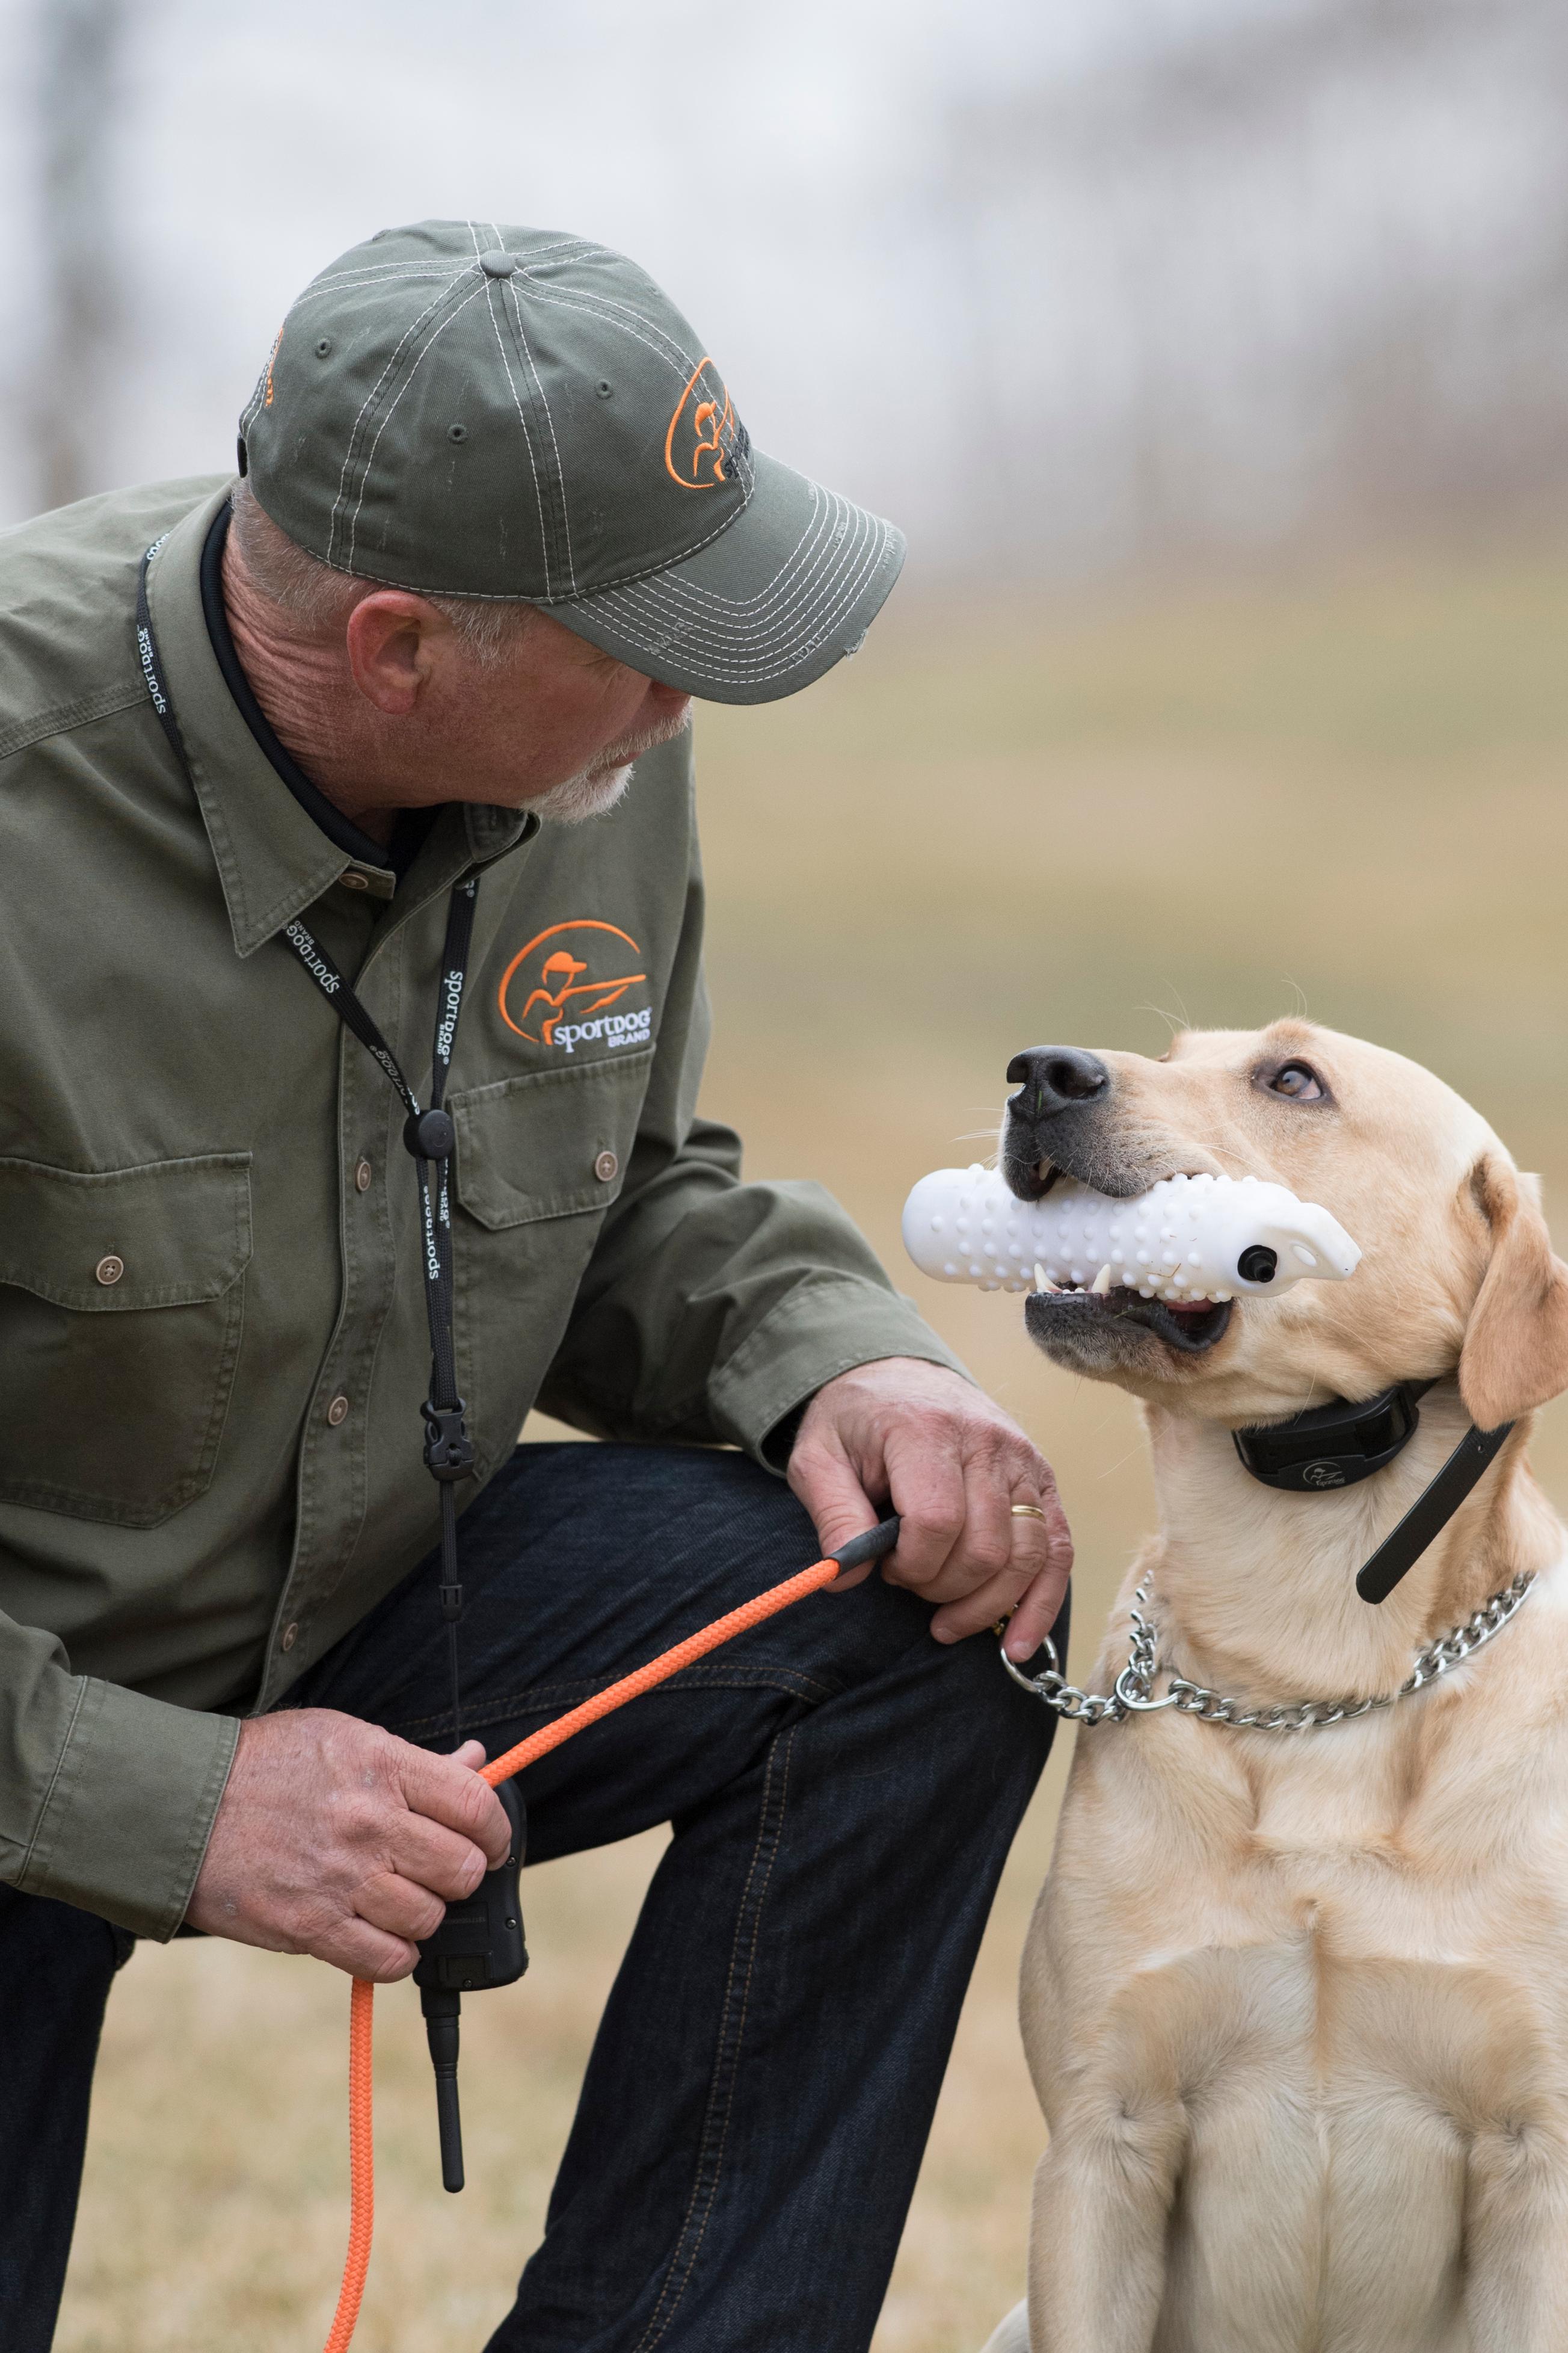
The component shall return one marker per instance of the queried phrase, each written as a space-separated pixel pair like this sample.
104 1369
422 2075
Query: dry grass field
993 827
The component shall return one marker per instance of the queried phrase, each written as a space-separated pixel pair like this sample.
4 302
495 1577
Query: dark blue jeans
843 1792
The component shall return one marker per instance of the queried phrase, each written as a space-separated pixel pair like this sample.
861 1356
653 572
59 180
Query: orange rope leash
362 2146
362 2165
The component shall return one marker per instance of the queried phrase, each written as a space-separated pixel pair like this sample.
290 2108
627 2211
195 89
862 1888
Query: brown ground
1035 824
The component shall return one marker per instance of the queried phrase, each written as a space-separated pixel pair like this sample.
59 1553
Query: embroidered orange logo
702 432
272 362
549 994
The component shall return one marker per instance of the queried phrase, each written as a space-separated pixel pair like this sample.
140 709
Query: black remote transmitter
479 1945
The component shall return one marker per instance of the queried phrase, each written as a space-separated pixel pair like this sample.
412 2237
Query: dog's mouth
1060 1318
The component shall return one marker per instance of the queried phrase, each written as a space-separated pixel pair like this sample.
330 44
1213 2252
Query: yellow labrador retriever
1296 2003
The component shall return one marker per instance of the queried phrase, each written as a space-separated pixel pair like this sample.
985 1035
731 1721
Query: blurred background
1215 355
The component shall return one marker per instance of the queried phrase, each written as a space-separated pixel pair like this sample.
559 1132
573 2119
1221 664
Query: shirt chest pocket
121 1299
540 1158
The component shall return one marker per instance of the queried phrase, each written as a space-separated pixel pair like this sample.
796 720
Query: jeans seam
710 2148
539 1698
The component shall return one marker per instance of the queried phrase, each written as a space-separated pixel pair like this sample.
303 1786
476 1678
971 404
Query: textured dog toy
1188 1238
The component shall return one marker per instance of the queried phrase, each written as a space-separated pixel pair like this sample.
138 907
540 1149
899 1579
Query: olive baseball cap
470 409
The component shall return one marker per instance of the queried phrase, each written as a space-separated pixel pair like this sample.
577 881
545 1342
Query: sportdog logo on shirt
557 991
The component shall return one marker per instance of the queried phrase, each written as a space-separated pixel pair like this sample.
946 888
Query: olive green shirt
213 1338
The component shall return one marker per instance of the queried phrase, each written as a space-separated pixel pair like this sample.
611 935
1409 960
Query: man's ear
1515 1354
388 636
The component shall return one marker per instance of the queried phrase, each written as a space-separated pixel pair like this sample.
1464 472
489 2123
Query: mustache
642 739
595 790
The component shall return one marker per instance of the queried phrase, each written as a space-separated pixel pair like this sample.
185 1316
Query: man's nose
1053 1078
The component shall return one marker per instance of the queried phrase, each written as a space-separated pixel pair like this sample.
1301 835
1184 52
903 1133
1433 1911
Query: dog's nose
1051 1078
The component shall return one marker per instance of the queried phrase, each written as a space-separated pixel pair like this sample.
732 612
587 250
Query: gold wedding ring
1028 1511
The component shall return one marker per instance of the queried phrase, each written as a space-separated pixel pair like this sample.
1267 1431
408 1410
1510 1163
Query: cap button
497 265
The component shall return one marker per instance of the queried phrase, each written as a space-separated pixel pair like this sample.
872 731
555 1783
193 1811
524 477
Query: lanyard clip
449 1449
431 1135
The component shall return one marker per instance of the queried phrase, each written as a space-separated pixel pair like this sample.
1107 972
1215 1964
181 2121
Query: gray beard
595 791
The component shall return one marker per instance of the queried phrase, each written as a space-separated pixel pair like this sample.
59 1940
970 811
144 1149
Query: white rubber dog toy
1188 1238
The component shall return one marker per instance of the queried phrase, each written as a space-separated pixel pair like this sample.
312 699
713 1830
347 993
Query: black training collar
1336 1445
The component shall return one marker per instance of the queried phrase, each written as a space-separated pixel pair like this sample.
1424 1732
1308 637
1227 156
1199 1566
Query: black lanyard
429 1136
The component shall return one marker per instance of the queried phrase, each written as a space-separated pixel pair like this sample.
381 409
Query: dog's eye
1297 1080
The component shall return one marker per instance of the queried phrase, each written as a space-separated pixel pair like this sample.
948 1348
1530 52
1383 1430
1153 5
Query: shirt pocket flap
551 1143
171 1234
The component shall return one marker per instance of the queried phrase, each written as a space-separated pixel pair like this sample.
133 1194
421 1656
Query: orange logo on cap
271 363
702 433
560 1005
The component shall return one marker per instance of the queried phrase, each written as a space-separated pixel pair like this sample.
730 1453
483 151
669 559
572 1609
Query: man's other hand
918 1439
337 1839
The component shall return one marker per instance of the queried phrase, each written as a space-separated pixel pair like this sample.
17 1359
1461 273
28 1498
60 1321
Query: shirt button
605 1167
353 881
338 1411
289 1635
109 1269
363 1175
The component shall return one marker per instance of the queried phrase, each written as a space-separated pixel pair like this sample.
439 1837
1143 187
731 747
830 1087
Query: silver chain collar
1134 1690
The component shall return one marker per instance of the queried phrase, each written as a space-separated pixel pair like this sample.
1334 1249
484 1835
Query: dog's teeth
1102 1284
1042 1279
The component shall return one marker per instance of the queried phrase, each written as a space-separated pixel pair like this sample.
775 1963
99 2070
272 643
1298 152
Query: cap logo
702 432
272 362
556 991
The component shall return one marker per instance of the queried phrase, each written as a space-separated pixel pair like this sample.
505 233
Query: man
294 767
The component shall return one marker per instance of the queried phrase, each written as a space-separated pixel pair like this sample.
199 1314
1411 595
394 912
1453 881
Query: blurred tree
78 56
1292 271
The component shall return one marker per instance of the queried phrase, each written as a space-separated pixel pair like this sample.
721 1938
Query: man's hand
920 1440
336 1839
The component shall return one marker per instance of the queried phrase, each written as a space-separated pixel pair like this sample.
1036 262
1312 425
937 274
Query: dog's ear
1515 1354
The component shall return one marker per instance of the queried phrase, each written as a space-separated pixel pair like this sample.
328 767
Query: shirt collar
273 859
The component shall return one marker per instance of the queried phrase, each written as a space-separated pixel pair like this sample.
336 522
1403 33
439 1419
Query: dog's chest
1376 1916
1329 1980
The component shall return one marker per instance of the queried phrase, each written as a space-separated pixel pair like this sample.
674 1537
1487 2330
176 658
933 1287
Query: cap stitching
738 656
811 581
527 442
812 549
647 571
825 507
674 595
550 421
392 362
434 304
597 305
588 297
778 663
770 652
435 266
631 322
416 364
796 619
518 597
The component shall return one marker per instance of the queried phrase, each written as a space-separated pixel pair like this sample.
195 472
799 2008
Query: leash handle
872 1545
